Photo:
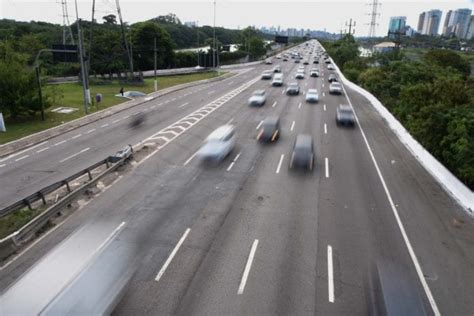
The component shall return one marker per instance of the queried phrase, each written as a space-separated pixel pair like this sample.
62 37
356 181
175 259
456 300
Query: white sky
313 14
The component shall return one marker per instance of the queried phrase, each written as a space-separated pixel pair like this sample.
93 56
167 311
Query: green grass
14 221
70 95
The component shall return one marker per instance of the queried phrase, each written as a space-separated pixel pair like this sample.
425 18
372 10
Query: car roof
335 83
303 141
259 91
221 132
312 91
345 107
293 83
271 120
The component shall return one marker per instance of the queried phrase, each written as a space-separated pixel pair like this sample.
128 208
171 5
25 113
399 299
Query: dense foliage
433 98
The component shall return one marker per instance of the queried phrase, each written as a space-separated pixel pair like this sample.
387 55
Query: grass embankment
70 95
14 221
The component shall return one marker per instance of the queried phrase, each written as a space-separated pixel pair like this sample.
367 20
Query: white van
277 80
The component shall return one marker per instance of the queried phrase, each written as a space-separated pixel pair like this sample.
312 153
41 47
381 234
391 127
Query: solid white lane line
292 125
324 107
90 131
105 125
413 257
279 163
43 149
77 136
274 104
259 124
190 158
173 253
21 158
330 276
326 163
325 128
247 267
299 106
74 155
61 142
184 104
23 151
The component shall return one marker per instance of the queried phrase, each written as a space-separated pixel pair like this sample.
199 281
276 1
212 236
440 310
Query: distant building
191 23
447 29
396 25
421 22
461 20
431 22
470 30
384 47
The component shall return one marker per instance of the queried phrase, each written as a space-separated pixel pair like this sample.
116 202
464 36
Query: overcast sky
313 14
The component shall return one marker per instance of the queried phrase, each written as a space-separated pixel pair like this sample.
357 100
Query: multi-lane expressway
249 236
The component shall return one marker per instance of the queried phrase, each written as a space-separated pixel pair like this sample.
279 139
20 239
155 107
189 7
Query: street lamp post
214 39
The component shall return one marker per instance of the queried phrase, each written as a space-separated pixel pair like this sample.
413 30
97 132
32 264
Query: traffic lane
112 136
441 233
277 208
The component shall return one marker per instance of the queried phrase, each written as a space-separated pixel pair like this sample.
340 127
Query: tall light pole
85 84
214 37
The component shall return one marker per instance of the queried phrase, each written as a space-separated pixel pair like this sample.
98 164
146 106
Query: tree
256 47
170 18
110 19
447 58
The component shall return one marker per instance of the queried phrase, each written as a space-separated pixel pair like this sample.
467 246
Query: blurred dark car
345 115
302 156
270 130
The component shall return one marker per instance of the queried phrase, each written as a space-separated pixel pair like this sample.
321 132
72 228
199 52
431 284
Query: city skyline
314 15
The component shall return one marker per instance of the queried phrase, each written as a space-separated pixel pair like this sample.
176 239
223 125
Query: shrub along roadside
433 98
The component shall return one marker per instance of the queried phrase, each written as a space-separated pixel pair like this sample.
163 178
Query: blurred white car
312 96
331 67
218 144
299 75
267 74
335 88
268 61
258 98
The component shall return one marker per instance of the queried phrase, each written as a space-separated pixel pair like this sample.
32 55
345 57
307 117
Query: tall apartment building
431 22
396 24
421 22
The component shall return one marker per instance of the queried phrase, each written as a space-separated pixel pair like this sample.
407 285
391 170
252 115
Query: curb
31 140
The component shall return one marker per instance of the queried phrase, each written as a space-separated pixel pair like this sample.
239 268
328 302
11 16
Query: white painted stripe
247 267
330 276
324 107
1 166
21 158
230 83
74 155
299 106
90 131
324 94
325 128
43 149
184 104
323 85
152 107
413 257
190 158
61 142
23 151
326 163
116 121
274 104
283 92
211 92
279 163
230 121
173 253
230 166
105 125
76 136
174 99
109 238
292 125
259 124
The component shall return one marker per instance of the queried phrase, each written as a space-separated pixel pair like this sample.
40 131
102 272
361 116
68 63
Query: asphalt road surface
248 236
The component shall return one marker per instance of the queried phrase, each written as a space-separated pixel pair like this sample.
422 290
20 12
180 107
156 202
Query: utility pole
350 25
154 62
85 84
90 37
124 38
214 37
198 51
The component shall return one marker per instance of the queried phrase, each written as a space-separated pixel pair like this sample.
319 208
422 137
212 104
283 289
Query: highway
248 236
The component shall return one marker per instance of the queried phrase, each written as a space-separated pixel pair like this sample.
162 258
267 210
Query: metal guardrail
13 242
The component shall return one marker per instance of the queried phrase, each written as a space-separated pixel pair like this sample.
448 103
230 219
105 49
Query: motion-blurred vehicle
332 78
277 80
278 56
270 130
303 154
293 89
218 144
312 96
306 62
285 58
331 67
258 98
335 88
268 61
299 75
314 73
327 60
297 60
277 68
345 115
315 61
137 120
266 75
